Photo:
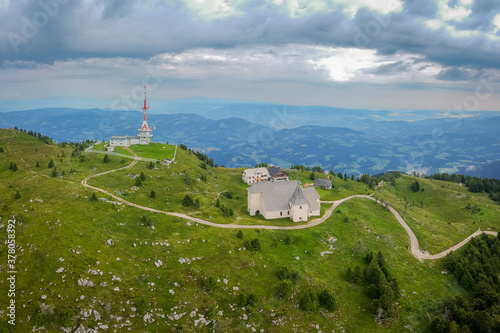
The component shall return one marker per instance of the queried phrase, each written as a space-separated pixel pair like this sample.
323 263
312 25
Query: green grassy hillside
103 265
437 214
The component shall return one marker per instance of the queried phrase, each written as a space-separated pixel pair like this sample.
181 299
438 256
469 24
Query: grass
157 151
443 221
65 221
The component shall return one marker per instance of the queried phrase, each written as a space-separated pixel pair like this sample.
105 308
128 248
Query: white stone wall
299 213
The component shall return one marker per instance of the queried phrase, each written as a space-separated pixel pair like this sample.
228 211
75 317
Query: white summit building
143 136
275 200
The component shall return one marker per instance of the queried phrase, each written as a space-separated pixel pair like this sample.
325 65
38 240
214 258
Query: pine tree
51 164
256 244
94 197
37 165
17 195
55 173
138 181
14 167
142 176
105 159
152 194
187 201
240 234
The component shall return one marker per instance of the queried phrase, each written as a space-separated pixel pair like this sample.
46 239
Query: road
414 245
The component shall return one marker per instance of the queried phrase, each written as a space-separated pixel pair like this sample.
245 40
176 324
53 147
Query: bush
187 201
308 301
241 300
284 289
287 274
326 300
256 244
142 306
415 186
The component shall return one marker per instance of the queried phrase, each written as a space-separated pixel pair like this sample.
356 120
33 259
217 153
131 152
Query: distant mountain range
237 133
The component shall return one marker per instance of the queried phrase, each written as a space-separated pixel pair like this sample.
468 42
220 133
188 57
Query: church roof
298 197
277 195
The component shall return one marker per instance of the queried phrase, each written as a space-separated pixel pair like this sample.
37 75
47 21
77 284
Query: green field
156 269
154 150
157 151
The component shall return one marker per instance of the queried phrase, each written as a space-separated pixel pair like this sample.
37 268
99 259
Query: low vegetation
86 260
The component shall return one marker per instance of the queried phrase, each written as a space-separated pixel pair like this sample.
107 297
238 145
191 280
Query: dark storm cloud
121 29
457 74
423 8
481 18
117 8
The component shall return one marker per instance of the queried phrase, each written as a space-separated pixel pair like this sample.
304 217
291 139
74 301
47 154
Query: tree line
474 184
477 269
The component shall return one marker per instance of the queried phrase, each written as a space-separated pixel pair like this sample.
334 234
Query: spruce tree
152 194
17 195
105 159
51 164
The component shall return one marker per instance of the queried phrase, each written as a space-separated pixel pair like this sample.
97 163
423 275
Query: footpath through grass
98 263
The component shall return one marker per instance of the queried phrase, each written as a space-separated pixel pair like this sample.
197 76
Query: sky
369 54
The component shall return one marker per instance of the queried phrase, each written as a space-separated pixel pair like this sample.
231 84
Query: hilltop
85 259
244 134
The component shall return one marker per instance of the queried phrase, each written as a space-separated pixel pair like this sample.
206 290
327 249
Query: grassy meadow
103 265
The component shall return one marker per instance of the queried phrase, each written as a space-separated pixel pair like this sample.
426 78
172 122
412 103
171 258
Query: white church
143 136
275 200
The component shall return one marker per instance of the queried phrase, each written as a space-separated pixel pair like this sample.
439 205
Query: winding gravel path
414 246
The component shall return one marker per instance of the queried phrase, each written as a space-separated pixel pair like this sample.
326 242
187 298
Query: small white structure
283 199
123 140
256 175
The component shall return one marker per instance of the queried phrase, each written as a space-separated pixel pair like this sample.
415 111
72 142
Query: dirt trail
414 246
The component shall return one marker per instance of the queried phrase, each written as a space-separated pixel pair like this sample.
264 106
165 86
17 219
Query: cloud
390 69
457 74
81 29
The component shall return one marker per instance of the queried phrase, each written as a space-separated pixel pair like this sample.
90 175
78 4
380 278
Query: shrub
287 274
256 244
284 289
308 300
187 201
326 300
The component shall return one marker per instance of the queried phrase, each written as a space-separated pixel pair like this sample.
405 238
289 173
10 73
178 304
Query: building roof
312 198
123 137
253 172
277 195
298 197
322 182
274 170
